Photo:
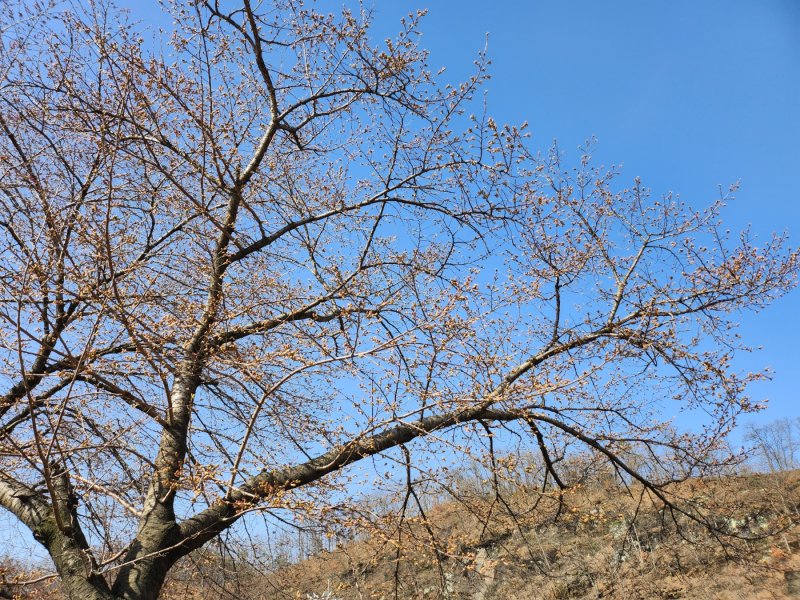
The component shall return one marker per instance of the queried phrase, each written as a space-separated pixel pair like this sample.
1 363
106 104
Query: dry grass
479 549
595 549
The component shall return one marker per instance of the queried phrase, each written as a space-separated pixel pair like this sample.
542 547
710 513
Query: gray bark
66 543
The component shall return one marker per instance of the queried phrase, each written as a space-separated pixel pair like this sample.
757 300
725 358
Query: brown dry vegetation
491 549
592 551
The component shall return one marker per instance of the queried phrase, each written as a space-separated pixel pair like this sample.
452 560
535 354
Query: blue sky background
686 95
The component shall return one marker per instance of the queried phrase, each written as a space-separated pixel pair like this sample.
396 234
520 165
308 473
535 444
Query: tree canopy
240 262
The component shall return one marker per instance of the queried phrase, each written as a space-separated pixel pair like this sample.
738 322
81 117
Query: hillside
593 549
490 548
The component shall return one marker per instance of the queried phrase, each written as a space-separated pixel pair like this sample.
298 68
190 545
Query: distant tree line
775 446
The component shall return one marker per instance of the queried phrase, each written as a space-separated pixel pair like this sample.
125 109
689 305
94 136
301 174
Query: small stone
792 583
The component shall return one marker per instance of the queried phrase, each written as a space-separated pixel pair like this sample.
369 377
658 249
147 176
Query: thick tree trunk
80 588
143 581
150 561
78 572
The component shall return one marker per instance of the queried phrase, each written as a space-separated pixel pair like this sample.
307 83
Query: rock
792 583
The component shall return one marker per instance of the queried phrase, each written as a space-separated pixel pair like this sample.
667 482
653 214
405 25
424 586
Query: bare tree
777 444
241 264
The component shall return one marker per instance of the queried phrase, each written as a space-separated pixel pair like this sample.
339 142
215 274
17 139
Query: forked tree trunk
142 582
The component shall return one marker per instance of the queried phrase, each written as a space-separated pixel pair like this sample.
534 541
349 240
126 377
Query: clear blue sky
687 95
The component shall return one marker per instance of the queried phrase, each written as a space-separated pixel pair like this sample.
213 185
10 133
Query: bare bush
776 445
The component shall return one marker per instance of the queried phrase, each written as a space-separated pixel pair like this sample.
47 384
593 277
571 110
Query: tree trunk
75 566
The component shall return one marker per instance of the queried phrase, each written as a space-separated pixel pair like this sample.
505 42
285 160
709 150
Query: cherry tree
242 261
